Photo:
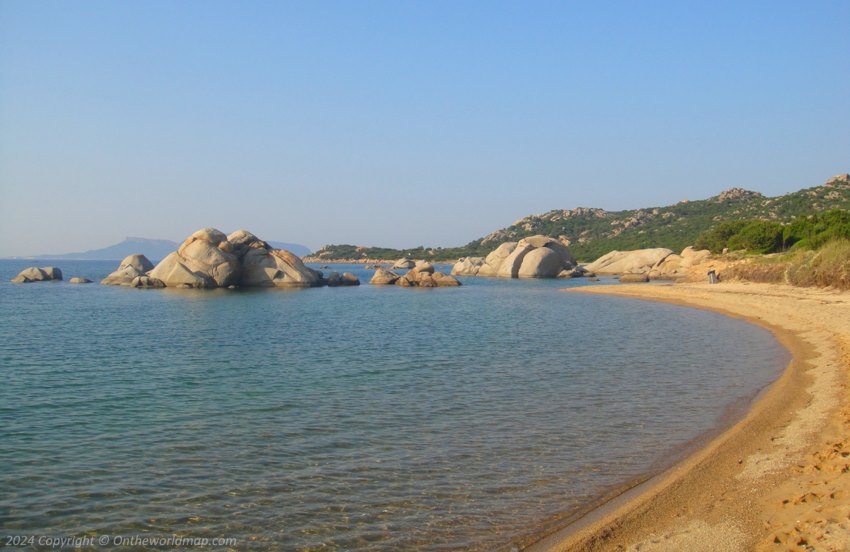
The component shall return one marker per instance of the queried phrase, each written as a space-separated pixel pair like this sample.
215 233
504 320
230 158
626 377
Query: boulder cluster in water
421 274
210 259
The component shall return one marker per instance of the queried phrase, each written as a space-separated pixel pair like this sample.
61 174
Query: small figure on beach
713 277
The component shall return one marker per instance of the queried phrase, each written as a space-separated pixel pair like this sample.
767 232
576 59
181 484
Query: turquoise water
364 418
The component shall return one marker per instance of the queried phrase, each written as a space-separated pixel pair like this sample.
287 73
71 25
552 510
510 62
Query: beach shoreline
777 478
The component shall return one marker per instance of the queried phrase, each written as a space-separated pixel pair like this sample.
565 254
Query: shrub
716 239
757 236
816 230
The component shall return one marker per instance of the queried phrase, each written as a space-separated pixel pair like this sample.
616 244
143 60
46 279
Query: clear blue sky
402 123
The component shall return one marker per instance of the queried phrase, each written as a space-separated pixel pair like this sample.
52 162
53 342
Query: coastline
780 476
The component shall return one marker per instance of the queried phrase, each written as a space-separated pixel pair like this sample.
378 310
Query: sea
359 418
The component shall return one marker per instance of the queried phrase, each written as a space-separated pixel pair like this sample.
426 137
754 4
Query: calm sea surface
365 418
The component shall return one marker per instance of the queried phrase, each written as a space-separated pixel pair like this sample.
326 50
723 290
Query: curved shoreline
769 481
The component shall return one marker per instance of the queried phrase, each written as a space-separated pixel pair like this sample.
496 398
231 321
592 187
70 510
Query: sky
401 124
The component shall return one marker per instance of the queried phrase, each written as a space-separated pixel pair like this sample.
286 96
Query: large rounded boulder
132 267
531 257
402 264
204 259
264 266
541 263
639 261
468 266
494 259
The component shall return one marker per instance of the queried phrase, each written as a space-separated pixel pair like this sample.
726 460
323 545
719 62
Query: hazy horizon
401 124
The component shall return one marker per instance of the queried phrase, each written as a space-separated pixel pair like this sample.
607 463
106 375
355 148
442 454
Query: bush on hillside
814 231
758 236
716 239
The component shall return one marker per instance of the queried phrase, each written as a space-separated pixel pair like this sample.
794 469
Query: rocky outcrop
204 260
263 266
419 276
34 274
210 259
494 259
384 277
423 266
639 261
736 194
402 264
78 280
130 268
532 257
540 263
676 267
468 266
509 267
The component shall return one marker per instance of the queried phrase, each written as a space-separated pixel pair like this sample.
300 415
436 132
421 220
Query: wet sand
779 479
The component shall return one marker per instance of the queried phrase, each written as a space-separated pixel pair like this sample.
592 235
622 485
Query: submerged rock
634 278
345 279
78 280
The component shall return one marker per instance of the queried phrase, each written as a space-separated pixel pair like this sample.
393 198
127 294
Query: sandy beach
779 479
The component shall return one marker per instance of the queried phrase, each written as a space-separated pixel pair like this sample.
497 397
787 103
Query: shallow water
364 418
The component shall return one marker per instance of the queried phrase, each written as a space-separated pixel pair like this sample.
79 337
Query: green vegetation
811 217
716 239
758 236
814 231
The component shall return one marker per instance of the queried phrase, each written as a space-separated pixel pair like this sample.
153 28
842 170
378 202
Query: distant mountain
155 250
592 232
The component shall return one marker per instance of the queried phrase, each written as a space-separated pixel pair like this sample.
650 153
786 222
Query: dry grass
827 267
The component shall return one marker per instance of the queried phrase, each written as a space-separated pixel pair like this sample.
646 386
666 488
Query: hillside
592 232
